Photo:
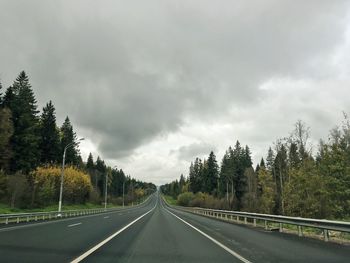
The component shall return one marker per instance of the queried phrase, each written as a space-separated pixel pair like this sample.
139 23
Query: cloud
129 72
190 152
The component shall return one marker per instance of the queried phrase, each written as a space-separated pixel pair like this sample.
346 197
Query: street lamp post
62 174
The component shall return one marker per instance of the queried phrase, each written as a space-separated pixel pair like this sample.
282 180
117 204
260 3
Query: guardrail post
27 218
43 217
7 221
237 219
281 228
326 235
254 221
266 225
17 220
36 218
300 231
245 220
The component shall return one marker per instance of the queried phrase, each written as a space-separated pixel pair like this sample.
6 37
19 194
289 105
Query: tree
226 174
300 137
280 175
239 161
6 131
50 140
250 198
8 99
266 191
270 159
101 170
68 136
195 175
211 174
90 163
25 140
293 156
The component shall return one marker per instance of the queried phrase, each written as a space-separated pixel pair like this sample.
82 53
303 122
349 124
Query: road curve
157 233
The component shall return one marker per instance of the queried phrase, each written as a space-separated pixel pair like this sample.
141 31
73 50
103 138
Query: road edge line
233 253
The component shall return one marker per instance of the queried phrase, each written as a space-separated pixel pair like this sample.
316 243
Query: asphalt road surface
154 232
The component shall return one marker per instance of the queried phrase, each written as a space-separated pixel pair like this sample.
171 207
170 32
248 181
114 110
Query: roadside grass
170 200
6 209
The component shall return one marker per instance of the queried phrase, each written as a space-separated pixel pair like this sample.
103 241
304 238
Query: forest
31 153
293 179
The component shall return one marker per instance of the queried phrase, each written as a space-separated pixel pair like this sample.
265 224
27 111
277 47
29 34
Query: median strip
233 253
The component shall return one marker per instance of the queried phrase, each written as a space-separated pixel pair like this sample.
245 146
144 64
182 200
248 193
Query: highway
154 232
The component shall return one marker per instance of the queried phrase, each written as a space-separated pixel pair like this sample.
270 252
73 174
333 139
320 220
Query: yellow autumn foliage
76 184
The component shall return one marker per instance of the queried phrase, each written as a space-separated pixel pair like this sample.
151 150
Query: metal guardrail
252 218
29 217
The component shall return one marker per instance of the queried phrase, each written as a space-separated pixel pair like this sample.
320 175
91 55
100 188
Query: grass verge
170 200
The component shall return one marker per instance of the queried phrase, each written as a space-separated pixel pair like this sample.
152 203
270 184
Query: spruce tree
6 131
25 140
262 163
90 163
69 137
50 139
211 174
270 159
101 172
8 99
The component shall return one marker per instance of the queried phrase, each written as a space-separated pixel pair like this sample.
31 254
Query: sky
153 84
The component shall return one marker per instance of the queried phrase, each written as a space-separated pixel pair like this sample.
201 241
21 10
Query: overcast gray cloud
132 73
187 152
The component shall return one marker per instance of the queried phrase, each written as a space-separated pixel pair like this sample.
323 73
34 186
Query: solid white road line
77 224
90 251
238 256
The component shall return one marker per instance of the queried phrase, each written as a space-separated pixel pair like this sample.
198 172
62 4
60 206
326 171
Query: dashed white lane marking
233 253
92 250
106 217
77 224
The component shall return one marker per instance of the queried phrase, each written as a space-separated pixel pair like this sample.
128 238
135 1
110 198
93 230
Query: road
154 232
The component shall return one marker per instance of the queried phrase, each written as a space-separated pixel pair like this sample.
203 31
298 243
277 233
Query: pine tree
25 140
262 163
270 160
8 99
211 175
6 131
293 156
101 170
90 163
50 139
196 175
68 136
238 164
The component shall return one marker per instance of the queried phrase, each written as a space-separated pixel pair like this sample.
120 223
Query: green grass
170 200
5 209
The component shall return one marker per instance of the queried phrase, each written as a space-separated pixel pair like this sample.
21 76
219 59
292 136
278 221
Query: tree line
292 180
31 152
